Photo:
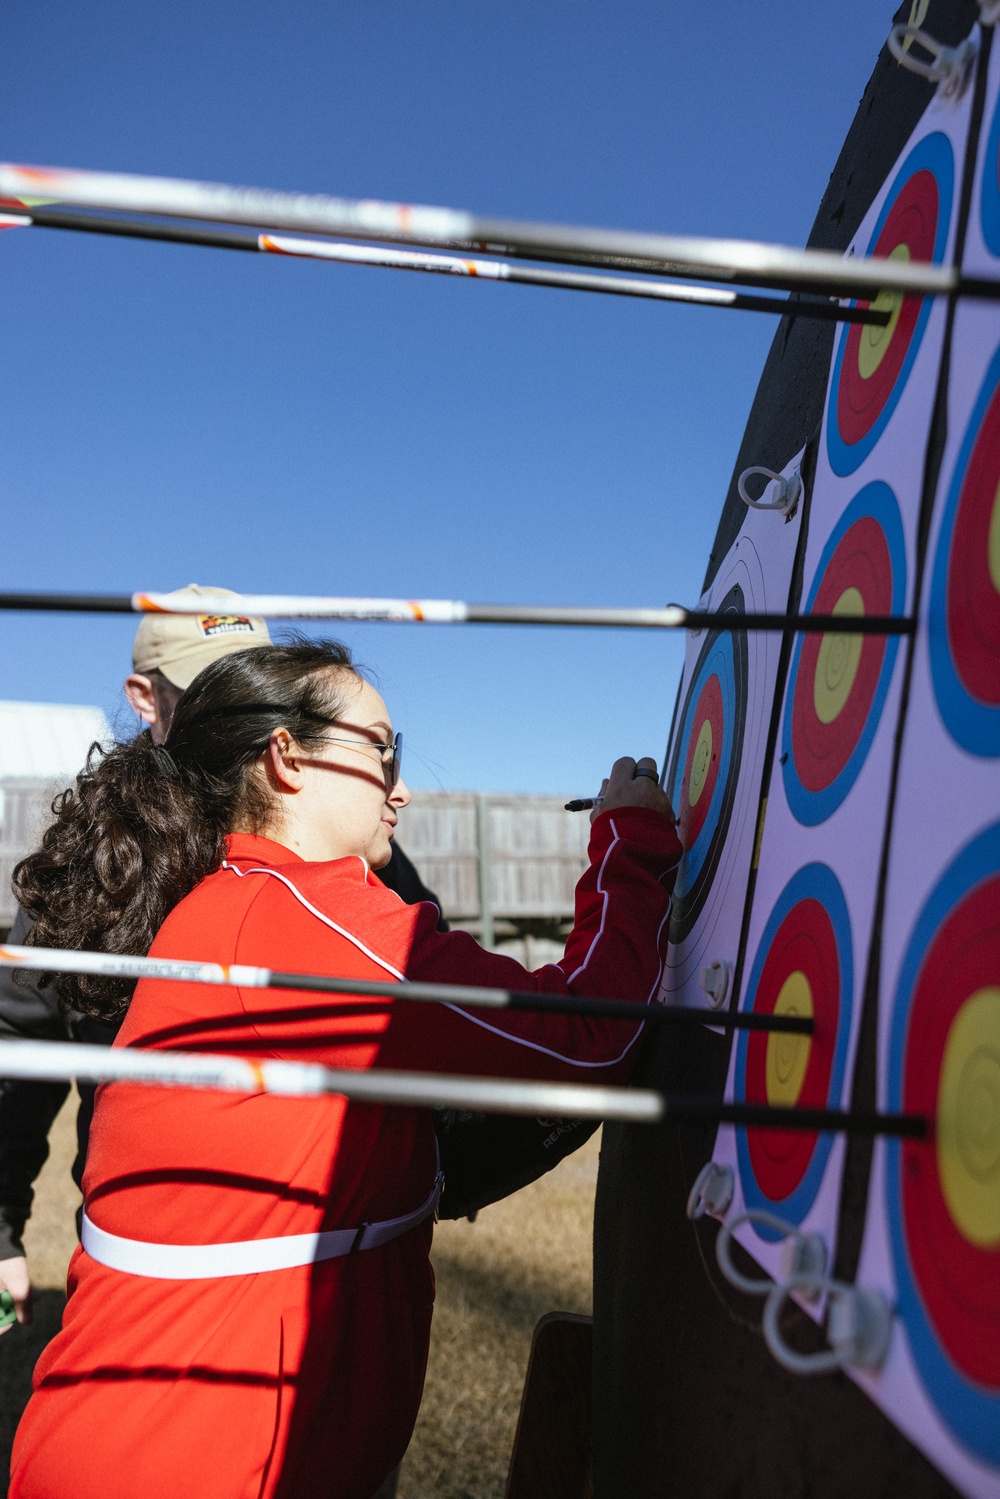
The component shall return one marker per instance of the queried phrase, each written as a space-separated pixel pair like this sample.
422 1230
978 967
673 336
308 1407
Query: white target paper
932 1232
714 764
813 907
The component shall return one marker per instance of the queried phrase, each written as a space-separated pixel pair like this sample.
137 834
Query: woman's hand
634 783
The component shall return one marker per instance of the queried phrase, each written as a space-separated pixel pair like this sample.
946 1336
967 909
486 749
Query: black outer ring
688 908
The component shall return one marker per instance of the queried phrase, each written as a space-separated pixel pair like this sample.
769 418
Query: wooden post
551 1457
484 869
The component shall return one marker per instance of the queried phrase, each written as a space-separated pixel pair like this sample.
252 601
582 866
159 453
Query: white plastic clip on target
858 1326
859 1321
785 497
715 982
951 68
804 1255
712 1192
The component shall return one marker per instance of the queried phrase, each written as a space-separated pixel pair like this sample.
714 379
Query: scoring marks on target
943 1194
705 765
873 363
803 966
837 684
964 606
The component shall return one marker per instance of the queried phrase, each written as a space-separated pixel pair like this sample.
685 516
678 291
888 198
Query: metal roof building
503 866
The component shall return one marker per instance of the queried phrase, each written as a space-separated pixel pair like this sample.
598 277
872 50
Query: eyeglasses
391 767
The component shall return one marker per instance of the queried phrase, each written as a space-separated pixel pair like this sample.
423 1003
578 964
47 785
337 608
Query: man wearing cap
169 652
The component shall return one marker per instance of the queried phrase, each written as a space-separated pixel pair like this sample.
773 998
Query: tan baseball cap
181 645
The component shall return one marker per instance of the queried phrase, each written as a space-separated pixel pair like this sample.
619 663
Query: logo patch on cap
225 624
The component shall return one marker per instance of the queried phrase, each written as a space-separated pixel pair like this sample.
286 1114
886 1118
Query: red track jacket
304 1381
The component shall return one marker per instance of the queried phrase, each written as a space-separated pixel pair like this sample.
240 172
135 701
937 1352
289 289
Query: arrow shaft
683 257
177 970
455 611
764 1116
64 1061
408 260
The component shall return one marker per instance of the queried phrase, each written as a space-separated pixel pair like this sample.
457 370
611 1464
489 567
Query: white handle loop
951 66
752 1286
796 1363
786 495
803 1260
859 1326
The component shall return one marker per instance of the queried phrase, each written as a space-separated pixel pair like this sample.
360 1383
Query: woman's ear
282 760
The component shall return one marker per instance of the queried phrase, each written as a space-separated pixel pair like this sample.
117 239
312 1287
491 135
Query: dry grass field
495 1277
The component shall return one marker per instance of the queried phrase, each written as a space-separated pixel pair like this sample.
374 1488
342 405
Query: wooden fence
500 864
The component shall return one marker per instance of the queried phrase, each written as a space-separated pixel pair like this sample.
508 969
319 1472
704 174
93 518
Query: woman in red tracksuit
232 1329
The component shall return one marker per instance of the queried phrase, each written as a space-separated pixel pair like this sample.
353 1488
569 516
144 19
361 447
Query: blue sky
173 415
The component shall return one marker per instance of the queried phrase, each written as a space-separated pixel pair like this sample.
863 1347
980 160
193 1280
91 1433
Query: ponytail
145 823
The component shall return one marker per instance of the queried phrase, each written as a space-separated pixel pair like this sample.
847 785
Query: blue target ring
964 602
948 1281
717 690
989 193
916 215
805 948
718 661
866 553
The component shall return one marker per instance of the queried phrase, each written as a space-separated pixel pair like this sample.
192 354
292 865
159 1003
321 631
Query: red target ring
701 766
958 1278
827 722
874 358
803 959
973 590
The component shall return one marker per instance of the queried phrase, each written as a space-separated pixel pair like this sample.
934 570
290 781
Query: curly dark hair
141 827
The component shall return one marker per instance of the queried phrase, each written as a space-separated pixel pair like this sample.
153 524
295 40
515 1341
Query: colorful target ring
873 363
964 607
989 192
803 966
837 684
701 766
705 764
943 1195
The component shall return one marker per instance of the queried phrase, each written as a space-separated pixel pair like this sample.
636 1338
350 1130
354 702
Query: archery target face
803 966
964 605
705 765
837 684
873 363
943 1194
